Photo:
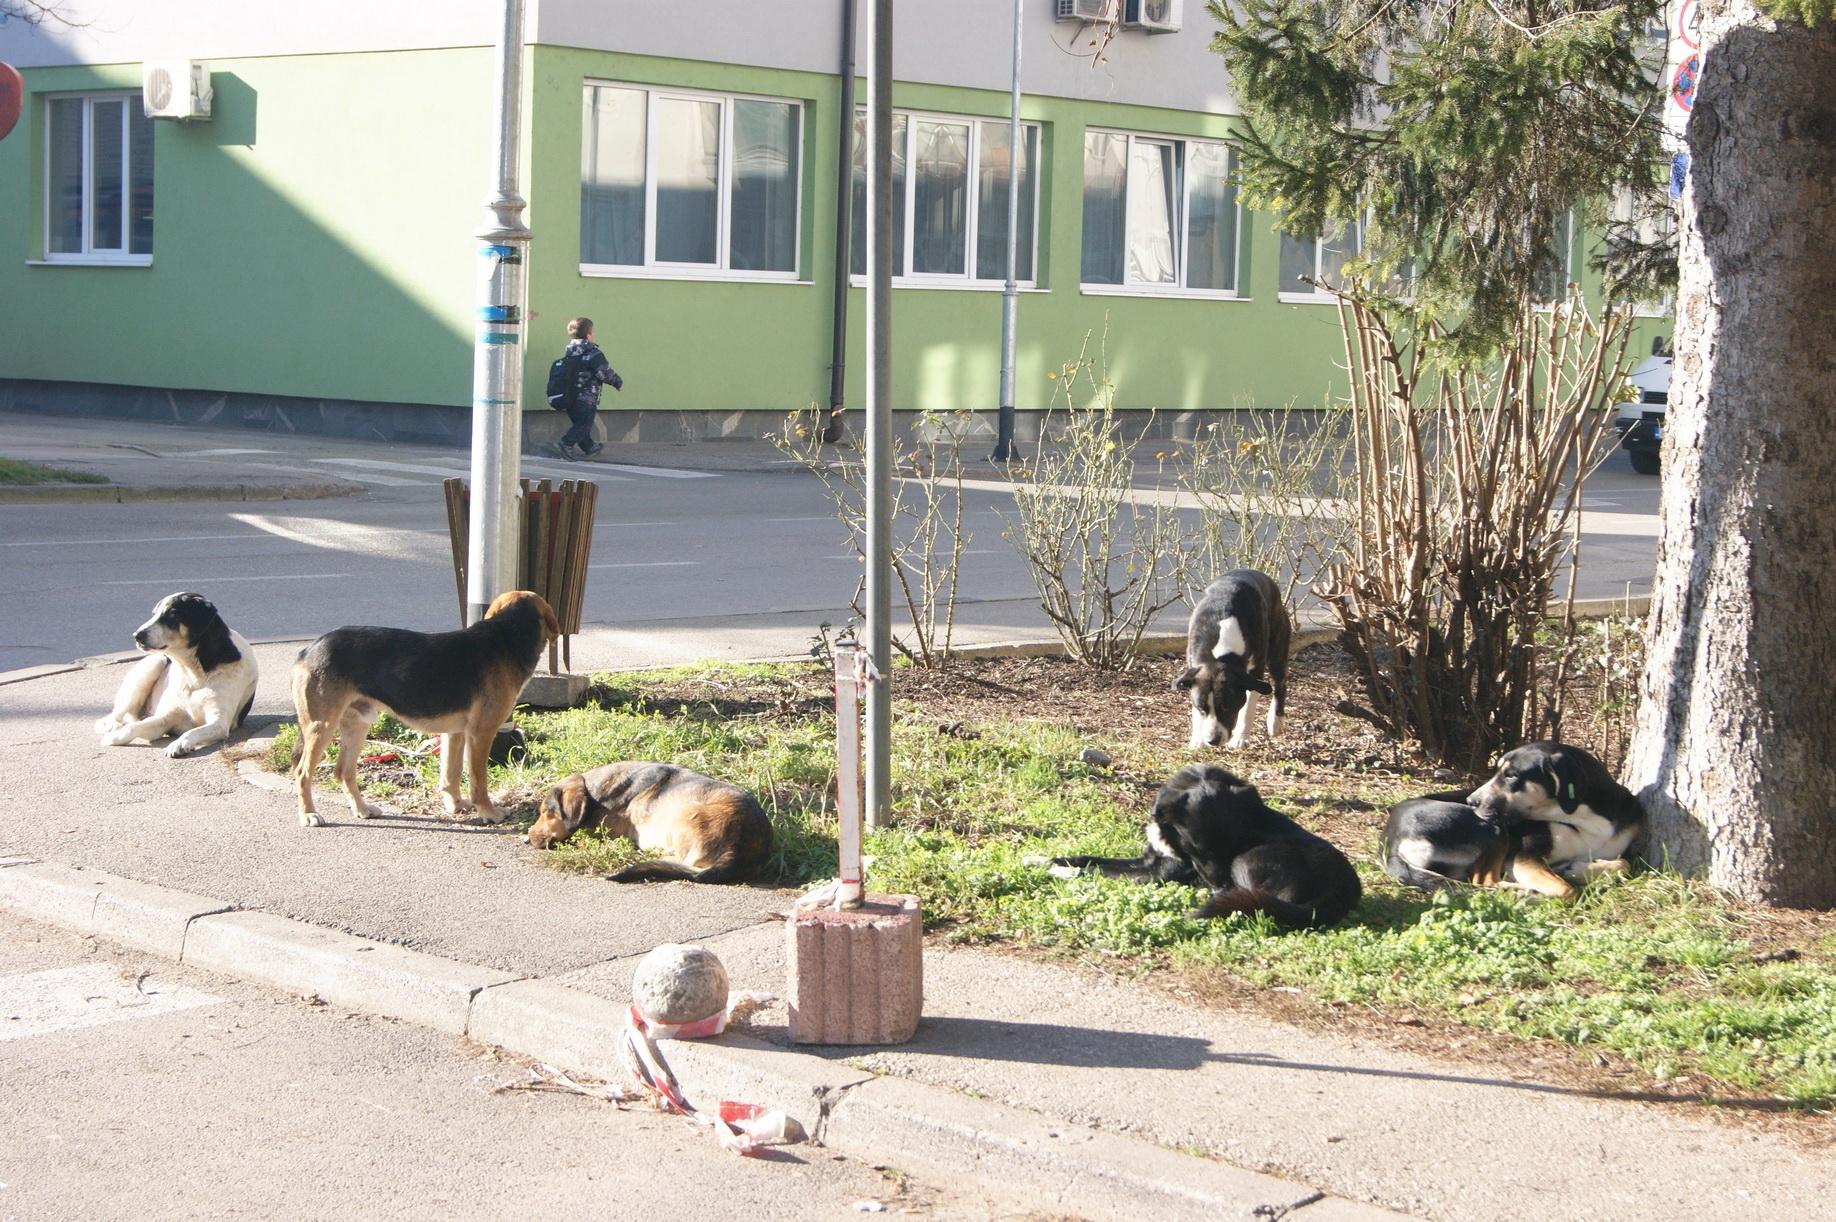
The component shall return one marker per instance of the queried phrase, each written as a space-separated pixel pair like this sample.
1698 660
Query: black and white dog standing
1236 648
197 682
1210 828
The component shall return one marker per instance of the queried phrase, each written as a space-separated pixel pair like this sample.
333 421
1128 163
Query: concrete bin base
554 691
856 975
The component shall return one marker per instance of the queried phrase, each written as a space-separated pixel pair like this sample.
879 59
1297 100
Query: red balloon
12 98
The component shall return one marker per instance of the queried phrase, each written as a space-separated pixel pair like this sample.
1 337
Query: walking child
589 368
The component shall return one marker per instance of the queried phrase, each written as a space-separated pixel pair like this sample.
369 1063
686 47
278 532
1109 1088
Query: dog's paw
1035 861
1235 742
487 814
311 819
119 738
365 810
105 724
178 749
1063 871
454 805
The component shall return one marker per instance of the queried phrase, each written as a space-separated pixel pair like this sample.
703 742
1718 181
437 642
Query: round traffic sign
12 98
1683 84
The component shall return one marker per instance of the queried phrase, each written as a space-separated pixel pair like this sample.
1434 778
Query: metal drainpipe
844 232
497 353
1010 293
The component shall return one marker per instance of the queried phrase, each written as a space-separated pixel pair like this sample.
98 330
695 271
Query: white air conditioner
175 89
1154 16
1088 10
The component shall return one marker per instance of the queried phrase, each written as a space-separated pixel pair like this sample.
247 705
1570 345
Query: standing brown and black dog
708 831
459 685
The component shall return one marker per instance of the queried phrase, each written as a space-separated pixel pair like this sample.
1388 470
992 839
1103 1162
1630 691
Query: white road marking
657 472
650 564
198 582
69 998
825 518
408 467
98 542
222 453
332 535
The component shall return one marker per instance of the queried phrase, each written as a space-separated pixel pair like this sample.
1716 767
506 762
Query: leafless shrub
927 509
1105 558
1267 485
1464 494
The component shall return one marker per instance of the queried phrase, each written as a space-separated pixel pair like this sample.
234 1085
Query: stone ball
679 984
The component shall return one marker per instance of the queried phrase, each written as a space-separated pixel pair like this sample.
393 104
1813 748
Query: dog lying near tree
198 681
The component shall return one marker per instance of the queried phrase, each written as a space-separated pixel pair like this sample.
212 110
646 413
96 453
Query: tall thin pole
1010 293
844 231
497 353
879 410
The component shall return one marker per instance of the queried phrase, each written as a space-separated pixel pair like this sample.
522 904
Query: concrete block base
554 691
856 975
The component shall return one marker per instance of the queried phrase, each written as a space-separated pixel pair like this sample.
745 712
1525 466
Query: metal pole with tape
1010 292
497 352
853 672
879 409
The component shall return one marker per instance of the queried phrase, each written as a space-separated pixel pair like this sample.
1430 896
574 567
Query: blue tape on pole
499 337
500 313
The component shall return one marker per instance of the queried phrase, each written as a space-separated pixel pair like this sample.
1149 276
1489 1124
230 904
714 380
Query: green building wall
314 239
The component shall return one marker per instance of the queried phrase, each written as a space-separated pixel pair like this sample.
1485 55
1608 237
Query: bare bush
1266 483
1105 557
927 509
1464 495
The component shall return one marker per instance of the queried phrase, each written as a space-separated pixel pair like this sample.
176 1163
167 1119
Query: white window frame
1568 267
1624 206
89 255
972 226
1142 288
1312 295
722 269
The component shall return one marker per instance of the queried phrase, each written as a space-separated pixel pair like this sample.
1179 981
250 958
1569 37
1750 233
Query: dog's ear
210 637
1564 773
1185 679
575 803
1252 683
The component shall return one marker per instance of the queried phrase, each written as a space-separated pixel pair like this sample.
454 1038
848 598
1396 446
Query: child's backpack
563 382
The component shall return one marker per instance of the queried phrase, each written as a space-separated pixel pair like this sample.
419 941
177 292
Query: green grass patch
1652 969
17 472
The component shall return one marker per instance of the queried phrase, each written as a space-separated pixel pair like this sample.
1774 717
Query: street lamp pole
497 352
1010 293
879 410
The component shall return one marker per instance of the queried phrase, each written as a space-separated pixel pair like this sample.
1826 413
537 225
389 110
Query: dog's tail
1286 913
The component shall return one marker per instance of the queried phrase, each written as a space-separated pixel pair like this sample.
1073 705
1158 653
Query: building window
1552 278
1159 214
1306 260
675 182
1650 224
98 179
949 199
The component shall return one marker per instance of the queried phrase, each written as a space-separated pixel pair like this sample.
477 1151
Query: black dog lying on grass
1210 828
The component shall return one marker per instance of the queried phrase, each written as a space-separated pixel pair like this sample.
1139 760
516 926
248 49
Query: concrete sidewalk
1029 1072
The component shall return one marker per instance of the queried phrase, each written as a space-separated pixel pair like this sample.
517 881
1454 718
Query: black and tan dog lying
1210 828
707 831
459 685
1551 817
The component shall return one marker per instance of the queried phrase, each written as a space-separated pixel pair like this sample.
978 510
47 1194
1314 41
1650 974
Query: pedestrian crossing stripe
71 998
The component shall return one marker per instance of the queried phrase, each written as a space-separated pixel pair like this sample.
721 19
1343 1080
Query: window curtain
991 215
858 209
612 177
763 210
687 162
1105 206
940 199
1153 188
1211 230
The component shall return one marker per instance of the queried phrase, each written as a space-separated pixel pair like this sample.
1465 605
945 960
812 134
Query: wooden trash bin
557 543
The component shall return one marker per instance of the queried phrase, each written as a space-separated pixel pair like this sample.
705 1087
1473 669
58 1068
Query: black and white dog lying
1210 828
1550 817
1236 647
197 683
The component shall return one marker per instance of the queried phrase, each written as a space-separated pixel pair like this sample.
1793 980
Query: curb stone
926 1129
119 494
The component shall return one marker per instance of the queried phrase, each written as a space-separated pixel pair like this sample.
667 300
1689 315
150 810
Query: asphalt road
132 1088
719 544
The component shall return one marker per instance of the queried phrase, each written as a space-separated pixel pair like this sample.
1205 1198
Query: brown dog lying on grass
706 831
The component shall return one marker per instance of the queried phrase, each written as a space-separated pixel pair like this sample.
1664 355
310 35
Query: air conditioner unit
1154 16
175 89
1088 10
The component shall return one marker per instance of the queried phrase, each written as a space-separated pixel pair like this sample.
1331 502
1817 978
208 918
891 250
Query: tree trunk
1734 755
